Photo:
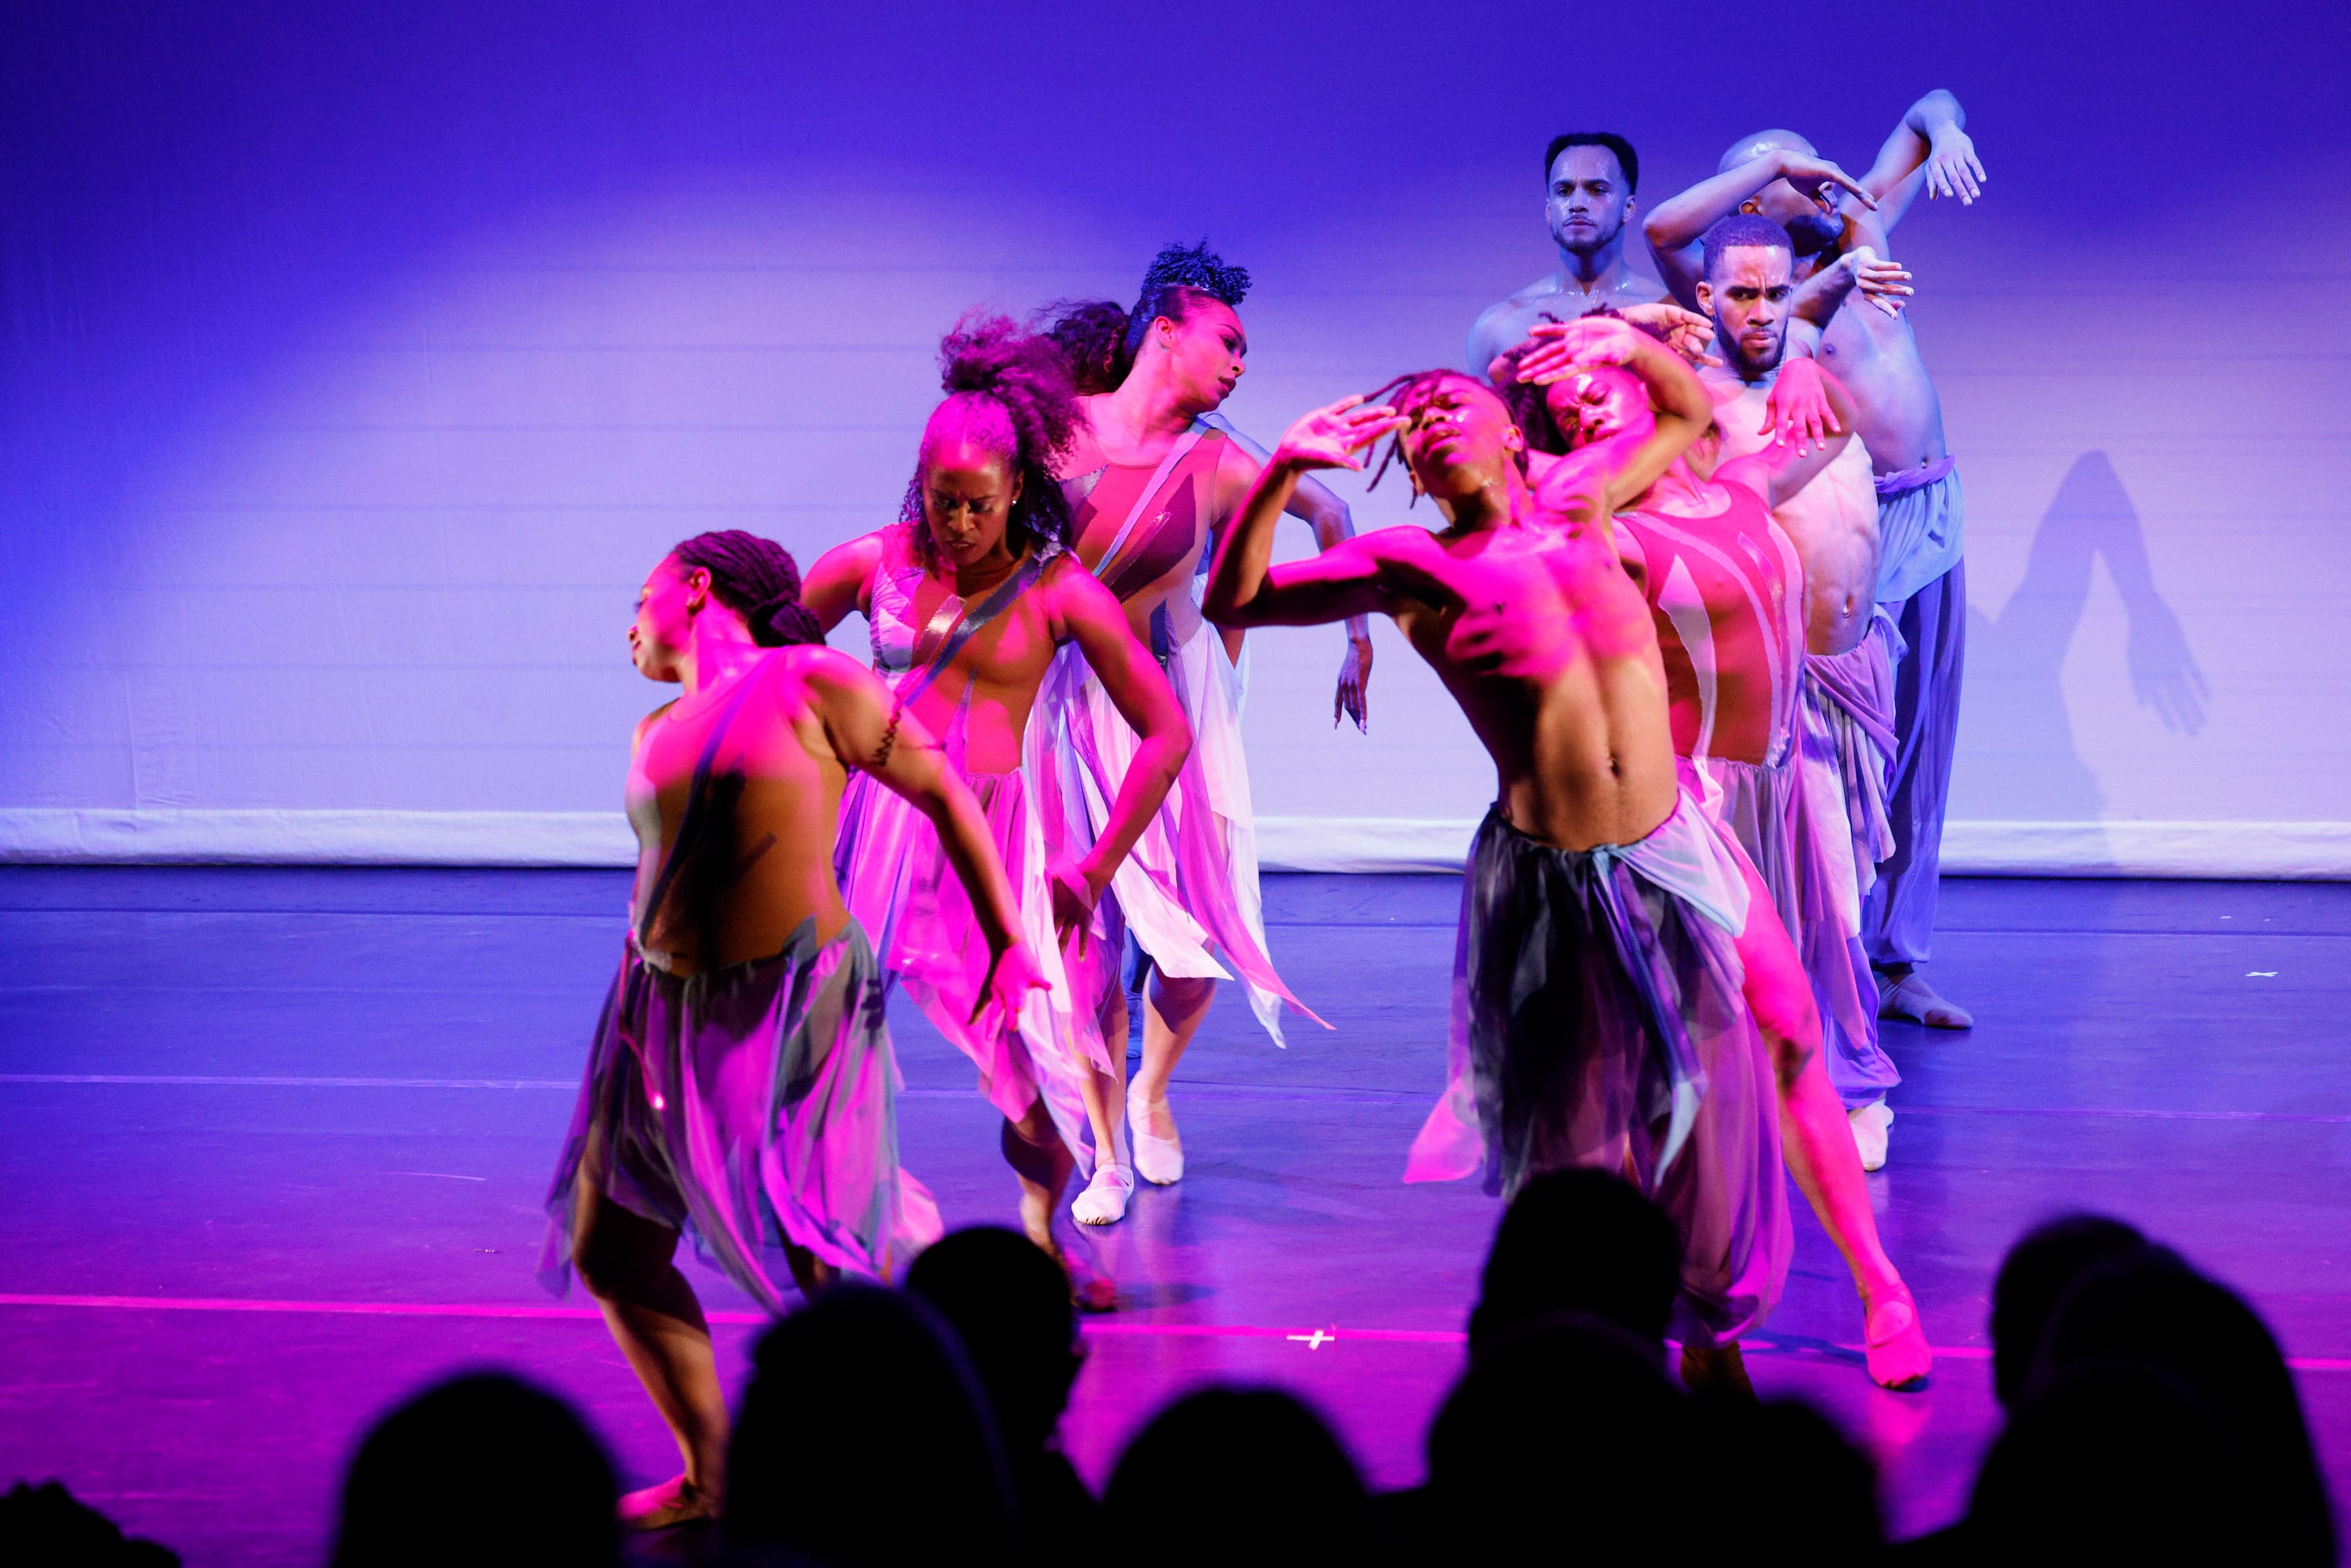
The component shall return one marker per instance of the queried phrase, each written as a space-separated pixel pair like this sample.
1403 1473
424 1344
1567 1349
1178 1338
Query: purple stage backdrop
363 357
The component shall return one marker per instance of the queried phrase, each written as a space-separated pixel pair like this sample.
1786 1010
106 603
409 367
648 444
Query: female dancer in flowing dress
1151 477
740 1087
971 599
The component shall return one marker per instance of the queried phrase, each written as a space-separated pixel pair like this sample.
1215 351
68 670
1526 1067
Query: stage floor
274 1143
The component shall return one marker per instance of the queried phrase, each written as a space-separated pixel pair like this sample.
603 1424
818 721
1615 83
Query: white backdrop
323 546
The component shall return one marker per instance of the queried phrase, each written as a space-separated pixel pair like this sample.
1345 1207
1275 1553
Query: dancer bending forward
1726 590
1626 999
740 1086
969 598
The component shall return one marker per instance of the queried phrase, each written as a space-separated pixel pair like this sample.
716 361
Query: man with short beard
1922 579
1590 176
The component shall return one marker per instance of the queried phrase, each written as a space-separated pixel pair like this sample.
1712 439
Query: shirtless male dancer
1589 178
1922 578
1151 482
1724 586
1626 999
740 1086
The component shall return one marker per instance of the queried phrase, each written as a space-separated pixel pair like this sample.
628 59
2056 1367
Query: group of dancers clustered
1697 590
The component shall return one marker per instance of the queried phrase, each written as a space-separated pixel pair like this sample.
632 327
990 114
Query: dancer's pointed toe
1894 1342
1105 1200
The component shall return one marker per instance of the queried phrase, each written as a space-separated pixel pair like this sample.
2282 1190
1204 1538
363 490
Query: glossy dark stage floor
274 1142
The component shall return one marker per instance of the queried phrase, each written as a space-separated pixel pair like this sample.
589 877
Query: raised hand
1336 436
1797 414
1952 167
1813 176
1013 973
1687 333
1885 284
1561 347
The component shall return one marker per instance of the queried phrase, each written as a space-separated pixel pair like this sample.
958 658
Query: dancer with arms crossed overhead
1624 997
1725 588
1922 575
1151 482
740 1086
970 596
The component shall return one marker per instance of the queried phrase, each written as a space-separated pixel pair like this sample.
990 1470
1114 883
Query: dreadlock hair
1529 404
1401 389
1101 341
1009 392
758 580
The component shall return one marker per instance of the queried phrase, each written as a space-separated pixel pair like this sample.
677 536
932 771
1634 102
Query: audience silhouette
1580 1241
1237 1476
1010 1303
481 1470
43 1527
2034 1277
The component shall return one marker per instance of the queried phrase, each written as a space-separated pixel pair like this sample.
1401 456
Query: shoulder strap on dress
1175 454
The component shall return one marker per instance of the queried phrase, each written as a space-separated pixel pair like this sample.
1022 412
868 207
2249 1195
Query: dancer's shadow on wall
2016 662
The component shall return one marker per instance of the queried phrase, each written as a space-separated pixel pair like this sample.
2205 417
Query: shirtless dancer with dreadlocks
1625 997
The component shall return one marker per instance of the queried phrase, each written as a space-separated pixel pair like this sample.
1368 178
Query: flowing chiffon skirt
897 881
1600 1020
1188 893
747 1107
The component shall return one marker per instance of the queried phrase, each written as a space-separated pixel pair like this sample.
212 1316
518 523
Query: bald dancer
1922 579
1589 178
1625 997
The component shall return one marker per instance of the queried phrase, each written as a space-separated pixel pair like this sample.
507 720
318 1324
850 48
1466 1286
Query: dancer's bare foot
1903 993
1894 1342
1716 1371
674 1502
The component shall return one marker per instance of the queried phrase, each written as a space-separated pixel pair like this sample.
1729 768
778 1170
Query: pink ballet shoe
674 1502
1908 997
1159 1161
1894 1341
1105 1200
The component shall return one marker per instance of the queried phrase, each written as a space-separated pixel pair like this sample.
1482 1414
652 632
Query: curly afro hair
1099 340
1008 391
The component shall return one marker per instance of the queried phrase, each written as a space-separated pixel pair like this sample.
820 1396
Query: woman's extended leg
627 1263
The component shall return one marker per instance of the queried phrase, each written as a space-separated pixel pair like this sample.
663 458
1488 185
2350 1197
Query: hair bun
783 620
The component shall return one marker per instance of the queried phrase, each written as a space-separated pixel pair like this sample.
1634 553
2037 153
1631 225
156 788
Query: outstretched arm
1683 410
868 731
1883 283
1327 515
1676 228
1092 617
1245 588
839 579
1929 147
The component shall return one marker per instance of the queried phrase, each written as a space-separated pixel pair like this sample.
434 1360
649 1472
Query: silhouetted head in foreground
864 1439
1580 1241
1797 1486
2034 1277
43 1527
1010 1304
480 1469
2150 1310
1563 1434
1240 1476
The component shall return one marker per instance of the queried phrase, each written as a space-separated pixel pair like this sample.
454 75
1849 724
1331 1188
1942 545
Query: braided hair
1400 390
1101 341
1009 392
757 580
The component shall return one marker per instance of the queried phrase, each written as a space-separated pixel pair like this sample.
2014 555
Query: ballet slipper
1716 1371
1870 1124
674 1502
1908 997
1159 1161
1894 1342
1105 1200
